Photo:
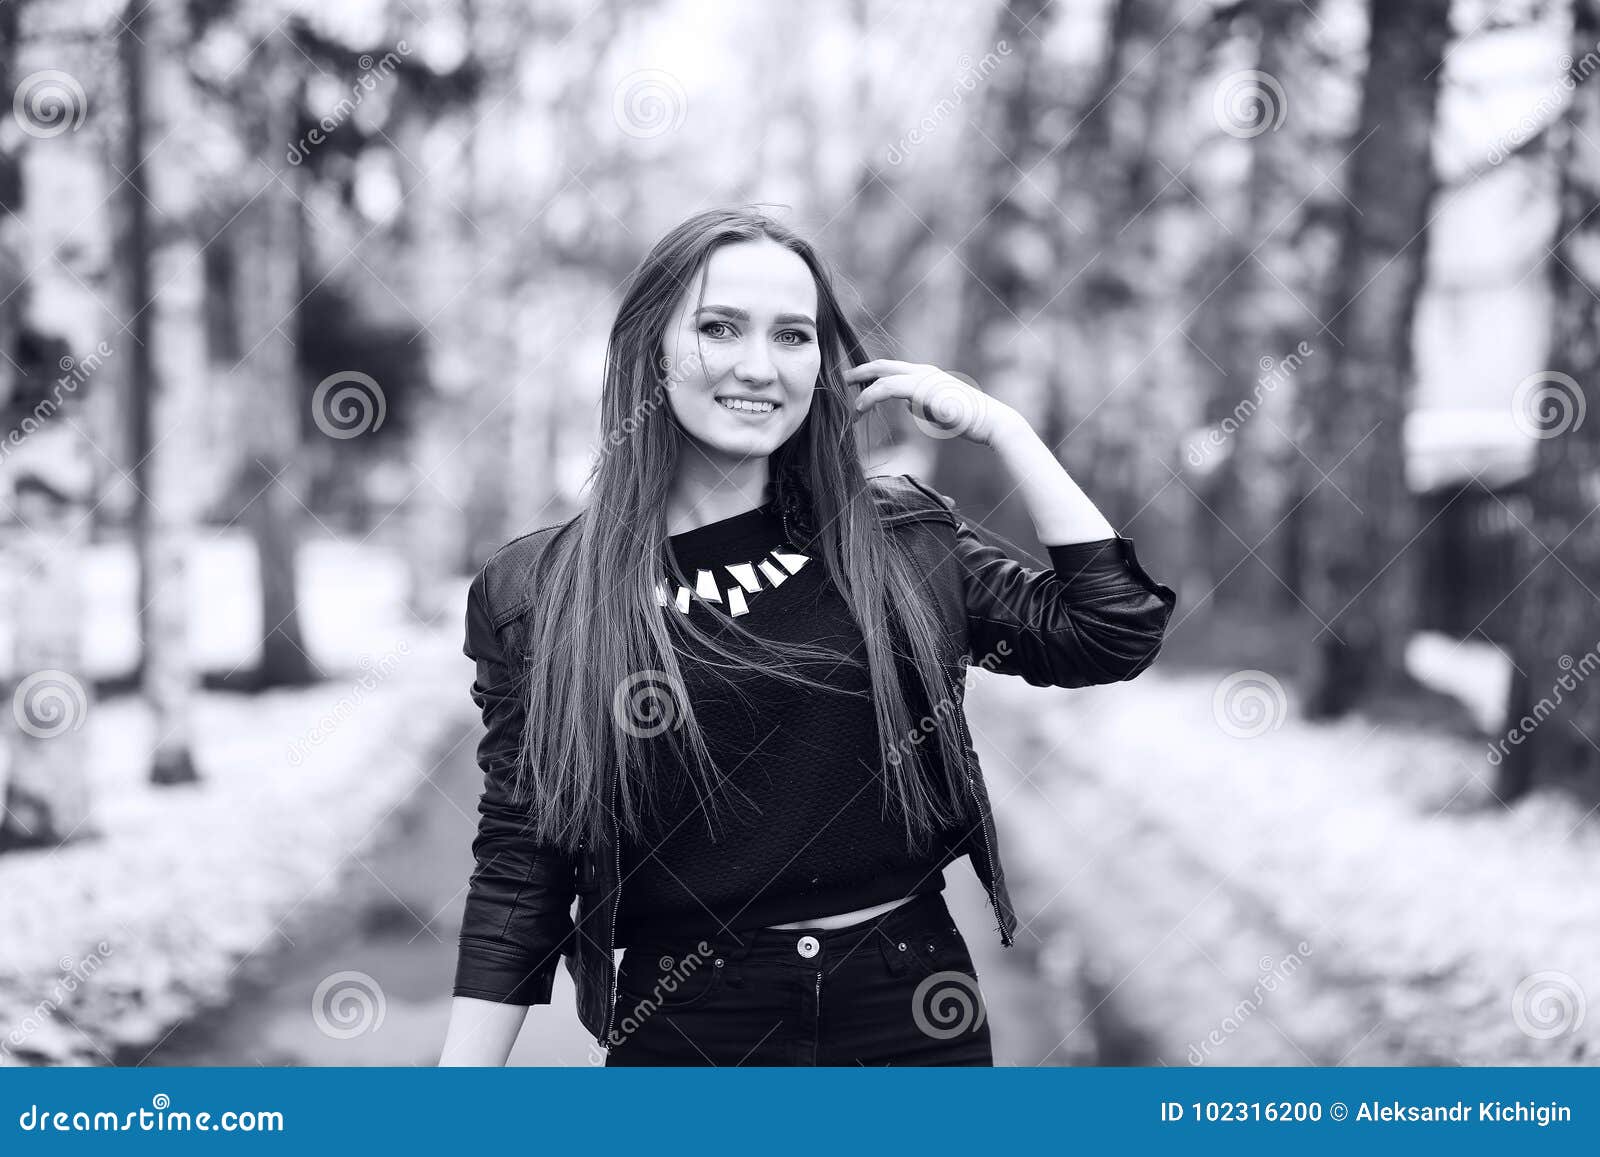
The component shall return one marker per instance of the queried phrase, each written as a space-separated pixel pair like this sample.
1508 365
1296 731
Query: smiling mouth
741 406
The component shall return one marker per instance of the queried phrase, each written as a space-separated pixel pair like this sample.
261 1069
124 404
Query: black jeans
895 989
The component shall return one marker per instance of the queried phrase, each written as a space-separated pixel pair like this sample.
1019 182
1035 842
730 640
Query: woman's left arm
1095 616
1062 513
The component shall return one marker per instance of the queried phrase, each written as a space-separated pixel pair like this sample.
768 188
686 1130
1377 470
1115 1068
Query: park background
302 314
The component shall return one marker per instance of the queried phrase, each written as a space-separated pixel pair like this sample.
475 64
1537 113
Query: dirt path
396 921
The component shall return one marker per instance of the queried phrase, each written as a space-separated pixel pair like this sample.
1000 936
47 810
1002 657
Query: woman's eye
800 336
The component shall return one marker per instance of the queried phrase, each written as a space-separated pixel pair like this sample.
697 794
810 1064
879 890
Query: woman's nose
755 362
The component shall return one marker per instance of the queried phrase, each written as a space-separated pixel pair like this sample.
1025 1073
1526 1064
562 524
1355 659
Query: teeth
748 407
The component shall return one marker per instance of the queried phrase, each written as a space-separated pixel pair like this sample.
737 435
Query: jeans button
808 946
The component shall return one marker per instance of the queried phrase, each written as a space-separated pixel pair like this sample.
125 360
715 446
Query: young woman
722 704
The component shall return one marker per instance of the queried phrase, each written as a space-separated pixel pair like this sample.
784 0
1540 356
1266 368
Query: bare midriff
842 919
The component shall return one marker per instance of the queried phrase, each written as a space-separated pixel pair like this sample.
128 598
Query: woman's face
742 367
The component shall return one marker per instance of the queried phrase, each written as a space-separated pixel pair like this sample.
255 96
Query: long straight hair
605 690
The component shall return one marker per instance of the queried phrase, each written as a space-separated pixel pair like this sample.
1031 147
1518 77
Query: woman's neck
703 493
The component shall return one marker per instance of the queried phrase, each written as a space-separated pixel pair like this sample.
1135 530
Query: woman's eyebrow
744 315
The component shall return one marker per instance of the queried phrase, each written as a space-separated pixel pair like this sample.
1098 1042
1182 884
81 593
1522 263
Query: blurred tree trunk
440 246
1121 301
13 262
43 530
268 235
1361 517
1244 495
46 797
161 282
1554 706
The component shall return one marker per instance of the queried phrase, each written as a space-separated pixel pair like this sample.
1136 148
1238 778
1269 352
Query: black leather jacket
1095 617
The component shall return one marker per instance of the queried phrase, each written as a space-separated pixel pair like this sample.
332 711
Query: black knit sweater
800 829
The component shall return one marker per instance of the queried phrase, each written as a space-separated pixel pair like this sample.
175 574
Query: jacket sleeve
519 897
1094 617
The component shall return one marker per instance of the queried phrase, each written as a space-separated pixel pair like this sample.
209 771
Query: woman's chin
751 443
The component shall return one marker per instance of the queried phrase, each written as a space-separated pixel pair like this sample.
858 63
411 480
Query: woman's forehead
761 277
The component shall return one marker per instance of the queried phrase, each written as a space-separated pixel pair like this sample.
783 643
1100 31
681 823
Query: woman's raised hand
943 404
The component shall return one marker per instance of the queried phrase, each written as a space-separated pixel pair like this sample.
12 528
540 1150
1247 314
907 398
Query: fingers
878 367
893 386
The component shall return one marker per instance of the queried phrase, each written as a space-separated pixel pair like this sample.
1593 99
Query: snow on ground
112 938
1475 672
1328 894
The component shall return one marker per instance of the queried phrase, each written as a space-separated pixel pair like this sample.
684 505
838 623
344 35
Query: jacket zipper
983 822
988 850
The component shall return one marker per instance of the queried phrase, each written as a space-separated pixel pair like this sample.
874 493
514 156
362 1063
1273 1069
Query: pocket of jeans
667 982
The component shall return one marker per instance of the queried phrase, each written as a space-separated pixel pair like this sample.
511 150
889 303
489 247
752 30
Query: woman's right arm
517 917
481 1032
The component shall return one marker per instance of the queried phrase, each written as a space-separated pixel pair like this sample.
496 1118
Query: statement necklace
775 566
